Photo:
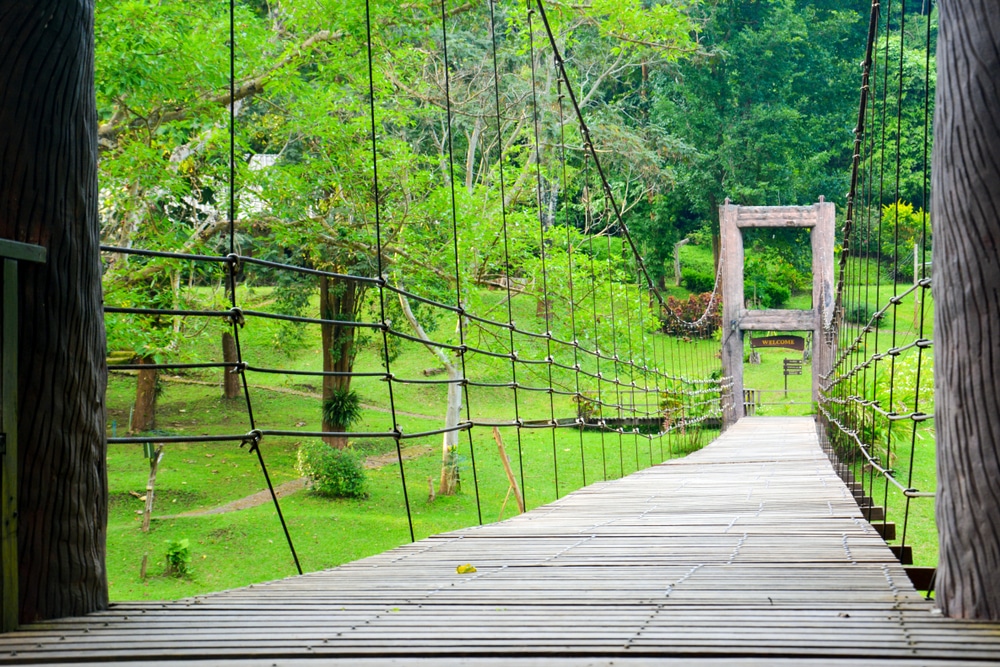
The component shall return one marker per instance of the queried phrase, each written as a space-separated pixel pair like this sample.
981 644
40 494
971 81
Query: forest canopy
689 103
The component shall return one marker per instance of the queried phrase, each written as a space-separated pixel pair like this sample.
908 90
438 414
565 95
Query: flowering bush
690 310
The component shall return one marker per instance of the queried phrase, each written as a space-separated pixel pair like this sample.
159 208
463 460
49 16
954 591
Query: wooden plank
922 578
778 216
904 554
777 320
22 252
750 549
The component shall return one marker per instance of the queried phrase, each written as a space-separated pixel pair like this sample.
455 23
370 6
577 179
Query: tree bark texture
965 211
154 464
339 300
448 483
144 414
230 380
48 196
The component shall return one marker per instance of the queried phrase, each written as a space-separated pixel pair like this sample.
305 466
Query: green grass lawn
246 546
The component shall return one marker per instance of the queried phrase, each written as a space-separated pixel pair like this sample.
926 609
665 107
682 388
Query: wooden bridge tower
736 319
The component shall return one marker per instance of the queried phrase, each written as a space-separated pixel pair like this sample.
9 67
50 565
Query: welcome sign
788 342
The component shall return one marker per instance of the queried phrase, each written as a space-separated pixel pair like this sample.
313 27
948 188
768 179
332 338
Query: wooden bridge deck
749 552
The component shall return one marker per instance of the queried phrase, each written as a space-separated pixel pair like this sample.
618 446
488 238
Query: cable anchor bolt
253 439
236 316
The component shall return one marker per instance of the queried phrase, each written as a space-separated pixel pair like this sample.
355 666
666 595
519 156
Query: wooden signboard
789 342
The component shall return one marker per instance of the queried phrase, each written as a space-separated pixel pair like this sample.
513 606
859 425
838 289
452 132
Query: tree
302 111
965 211
762 117
48 196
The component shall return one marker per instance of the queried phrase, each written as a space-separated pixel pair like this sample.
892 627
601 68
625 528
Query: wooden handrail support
11 252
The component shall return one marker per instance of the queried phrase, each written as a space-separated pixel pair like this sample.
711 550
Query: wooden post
144 417
965 212
677 259
11 252
732 304
507 469
823 240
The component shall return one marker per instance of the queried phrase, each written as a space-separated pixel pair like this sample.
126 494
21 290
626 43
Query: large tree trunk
48 196
338 301
966 216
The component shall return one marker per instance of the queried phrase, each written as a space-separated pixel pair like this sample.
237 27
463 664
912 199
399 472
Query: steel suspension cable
925 191
589 221
569 260
506 248
376 193
255 435
546 304
458 276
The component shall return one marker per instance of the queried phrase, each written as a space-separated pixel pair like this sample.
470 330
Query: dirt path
295 485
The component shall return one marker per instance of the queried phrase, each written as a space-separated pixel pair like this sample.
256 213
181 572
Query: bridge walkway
749 552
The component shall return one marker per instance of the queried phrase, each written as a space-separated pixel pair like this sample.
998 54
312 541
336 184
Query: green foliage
860 313
686 312
904 227
767 112
770 277
679 404
697 281
586 406
332 472
343 408
179 557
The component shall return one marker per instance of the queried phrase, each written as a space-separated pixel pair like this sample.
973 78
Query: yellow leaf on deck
468 568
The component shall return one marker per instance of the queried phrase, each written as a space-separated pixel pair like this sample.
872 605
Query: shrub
335 473
769 277
697 281
178 558
902 228
773 295
586 406
691 310
343 408
860 313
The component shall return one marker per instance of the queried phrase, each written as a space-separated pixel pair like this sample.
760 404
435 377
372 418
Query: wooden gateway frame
736 319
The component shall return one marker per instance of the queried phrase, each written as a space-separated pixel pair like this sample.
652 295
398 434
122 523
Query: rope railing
584 352
876 404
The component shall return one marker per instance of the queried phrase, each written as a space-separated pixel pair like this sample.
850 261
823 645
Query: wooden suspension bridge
751 551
